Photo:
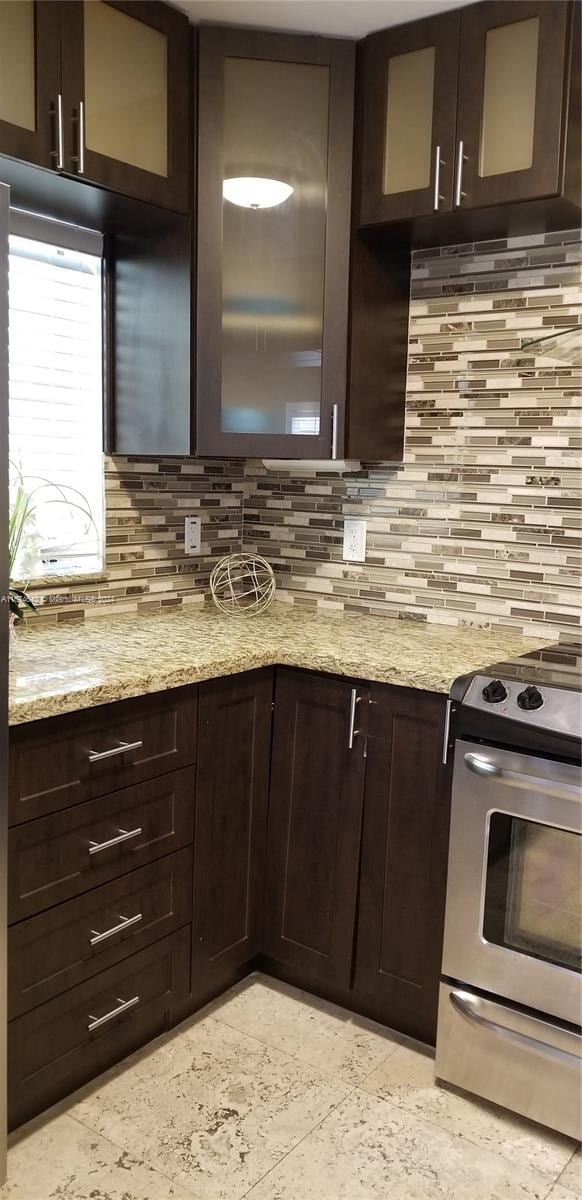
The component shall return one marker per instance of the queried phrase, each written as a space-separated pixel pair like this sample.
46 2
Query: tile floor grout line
573 1155
461 1137
300 1142
304 1061
138 1157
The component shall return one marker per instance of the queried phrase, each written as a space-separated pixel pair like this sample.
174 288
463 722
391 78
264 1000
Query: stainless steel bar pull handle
468 1007
438 163
334 417
353 732
81 159
122 748
521 779
124 923
60 136
123 1006
461 158
124 835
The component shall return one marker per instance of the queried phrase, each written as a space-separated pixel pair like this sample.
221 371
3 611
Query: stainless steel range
510 1006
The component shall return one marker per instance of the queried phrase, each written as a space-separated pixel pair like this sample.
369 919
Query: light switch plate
192 535
354 540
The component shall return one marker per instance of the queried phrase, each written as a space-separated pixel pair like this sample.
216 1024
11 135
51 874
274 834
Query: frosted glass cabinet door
29 80
273 202
408 119
125 67
512 78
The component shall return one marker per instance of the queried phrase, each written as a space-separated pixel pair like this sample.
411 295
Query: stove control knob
494 692
530 699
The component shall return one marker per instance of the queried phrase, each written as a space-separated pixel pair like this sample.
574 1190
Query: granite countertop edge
63 670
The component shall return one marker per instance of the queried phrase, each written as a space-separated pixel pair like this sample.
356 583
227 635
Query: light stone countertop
60 669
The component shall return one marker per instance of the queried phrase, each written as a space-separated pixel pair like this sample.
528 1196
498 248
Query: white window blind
56 402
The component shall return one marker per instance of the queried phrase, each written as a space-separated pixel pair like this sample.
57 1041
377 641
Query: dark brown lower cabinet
315 817
404 862
234 740
61 1044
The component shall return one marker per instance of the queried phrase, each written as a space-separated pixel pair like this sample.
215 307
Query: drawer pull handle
122 748
124 923
124 835
122 1006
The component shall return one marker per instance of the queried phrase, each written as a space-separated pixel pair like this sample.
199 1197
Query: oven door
514 890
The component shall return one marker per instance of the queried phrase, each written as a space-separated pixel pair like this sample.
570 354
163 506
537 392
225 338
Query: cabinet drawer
62 855
61 948
61 1044
65 760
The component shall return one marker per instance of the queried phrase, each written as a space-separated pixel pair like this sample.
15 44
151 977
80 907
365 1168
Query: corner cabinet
232 794
275 117
101 92
315 818
471 110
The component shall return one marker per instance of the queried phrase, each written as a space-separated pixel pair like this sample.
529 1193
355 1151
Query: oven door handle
550 787
467 1007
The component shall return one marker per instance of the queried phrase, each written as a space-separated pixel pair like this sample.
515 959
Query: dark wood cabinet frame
39 145
171 190
216 44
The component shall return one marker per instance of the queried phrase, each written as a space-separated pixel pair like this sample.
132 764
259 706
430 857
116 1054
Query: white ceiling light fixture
254 191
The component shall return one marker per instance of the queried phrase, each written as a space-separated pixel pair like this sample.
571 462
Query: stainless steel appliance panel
511 1058
488 781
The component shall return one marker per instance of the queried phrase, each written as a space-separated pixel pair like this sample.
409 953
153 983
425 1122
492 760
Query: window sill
40 582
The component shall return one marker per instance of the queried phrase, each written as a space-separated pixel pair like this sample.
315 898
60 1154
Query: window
56 396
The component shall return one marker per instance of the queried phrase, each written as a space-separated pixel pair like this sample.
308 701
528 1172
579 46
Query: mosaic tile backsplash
481 523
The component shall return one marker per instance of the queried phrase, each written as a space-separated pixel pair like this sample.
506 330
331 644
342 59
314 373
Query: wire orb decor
242 583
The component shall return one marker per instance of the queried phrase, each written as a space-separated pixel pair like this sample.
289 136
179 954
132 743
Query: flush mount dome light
253 191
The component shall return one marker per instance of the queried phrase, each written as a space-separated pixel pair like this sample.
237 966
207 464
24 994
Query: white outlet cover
354 540
192 535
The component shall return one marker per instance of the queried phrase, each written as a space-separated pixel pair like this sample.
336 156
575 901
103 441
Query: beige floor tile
560 1193
329 1038
61 1160
369 1150
571 1176
406 1079
214 1109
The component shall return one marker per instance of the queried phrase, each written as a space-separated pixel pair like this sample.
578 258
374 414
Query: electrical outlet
354 540
192 535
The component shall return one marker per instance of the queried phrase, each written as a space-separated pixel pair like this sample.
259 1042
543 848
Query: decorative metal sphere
242 583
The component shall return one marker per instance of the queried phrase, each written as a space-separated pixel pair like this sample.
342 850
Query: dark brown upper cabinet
409 96
275 124
470 111
101 91
126 97
30 81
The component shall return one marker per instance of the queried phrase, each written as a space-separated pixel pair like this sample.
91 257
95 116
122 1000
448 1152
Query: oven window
533 895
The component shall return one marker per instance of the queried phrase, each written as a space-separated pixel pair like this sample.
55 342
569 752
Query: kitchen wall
146 501
481 524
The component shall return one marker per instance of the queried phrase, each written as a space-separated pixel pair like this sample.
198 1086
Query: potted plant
21 516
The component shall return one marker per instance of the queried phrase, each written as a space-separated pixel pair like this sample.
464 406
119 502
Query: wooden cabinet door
406 125
275 125
127 98
231 819
30 80
513 80
404 858
315 813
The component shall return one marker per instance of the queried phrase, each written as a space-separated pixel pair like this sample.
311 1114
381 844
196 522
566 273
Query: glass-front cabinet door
512 78
125 68
30 75
275 116
407 126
